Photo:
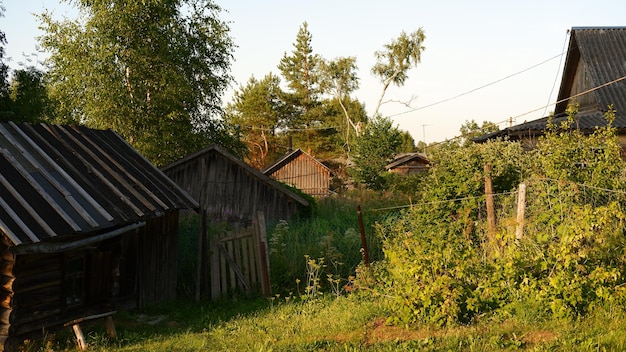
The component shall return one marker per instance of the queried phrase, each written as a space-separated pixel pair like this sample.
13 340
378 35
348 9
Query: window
74 281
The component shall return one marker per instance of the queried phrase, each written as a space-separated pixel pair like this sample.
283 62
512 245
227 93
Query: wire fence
547 203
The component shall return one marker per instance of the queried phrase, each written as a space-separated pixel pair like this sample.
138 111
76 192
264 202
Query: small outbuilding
299 169
409 164
87 226
230 190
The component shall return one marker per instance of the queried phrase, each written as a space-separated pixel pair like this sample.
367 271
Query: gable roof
405 158
58 181
214 148
597 57
289 157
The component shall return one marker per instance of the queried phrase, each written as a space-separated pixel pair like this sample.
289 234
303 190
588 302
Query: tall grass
331 238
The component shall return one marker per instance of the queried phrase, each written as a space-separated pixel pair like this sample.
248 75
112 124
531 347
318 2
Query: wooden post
366 258
80 338
491 214
110 327
201 253
521 209
261 239
215 270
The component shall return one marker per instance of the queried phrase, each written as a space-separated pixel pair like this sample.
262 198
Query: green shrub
442 268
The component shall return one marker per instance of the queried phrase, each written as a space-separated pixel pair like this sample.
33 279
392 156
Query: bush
442 269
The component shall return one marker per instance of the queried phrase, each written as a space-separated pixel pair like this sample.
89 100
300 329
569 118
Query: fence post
366 258
491 214
521 209
260 237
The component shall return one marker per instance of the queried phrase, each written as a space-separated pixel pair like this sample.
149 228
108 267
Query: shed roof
287 158
405 158
602 51
214 148
57 181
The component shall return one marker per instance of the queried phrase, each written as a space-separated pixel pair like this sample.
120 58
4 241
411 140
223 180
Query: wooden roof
597 57
289 157
404 158
57 181
214 148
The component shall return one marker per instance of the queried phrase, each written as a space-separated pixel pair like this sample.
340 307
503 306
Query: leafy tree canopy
374 148
154 71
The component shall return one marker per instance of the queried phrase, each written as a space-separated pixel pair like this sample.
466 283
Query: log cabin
87 226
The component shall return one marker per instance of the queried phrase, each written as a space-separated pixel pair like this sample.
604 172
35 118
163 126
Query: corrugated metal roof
603 54
63 180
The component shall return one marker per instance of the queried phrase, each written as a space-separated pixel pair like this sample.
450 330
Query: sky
485 60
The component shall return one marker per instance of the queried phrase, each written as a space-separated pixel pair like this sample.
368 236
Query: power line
478 88
573 96
557 72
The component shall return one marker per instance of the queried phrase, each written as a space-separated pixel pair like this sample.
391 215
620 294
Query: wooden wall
136 268
229 192
306 174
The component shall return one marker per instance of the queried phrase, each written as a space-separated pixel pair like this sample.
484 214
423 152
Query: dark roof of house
287 158
405 158
59 181
214 148
603 54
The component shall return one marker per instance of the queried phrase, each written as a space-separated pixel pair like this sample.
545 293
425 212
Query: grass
330 320
327 323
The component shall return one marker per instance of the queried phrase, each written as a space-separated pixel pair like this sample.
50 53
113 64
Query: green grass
348 323
327 322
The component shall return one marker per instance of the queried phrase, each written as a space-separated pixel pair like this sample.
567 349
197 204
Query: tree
340 79
393 63
374 148
28 99
408 143
258 110
4 73
471 129
301 71
154 71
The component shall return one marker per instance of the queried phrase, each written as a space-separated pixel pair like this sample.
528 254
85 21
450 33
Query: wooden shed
87 226
299 169
230 190
409 164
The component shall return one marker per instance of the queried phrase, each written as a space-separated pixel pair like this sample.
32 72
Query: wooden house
593 77
230 190
299 169
408 164
87 226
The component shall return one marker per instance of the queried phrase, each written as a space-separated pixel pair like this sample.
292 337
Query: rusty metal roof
64 180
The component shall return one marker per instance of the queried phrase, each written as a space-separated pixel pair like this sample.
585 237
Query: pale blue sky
469 44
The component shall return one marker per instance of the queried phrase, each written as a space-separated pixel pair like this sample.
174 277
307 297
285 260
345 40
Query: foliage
373 150
471 129
154 71
395 60
4 73
258 109
441 269
28 98
433 252
302 72
340 79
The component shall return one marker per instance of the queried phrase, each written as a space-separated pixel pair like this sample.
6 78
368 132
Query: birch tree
154 71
